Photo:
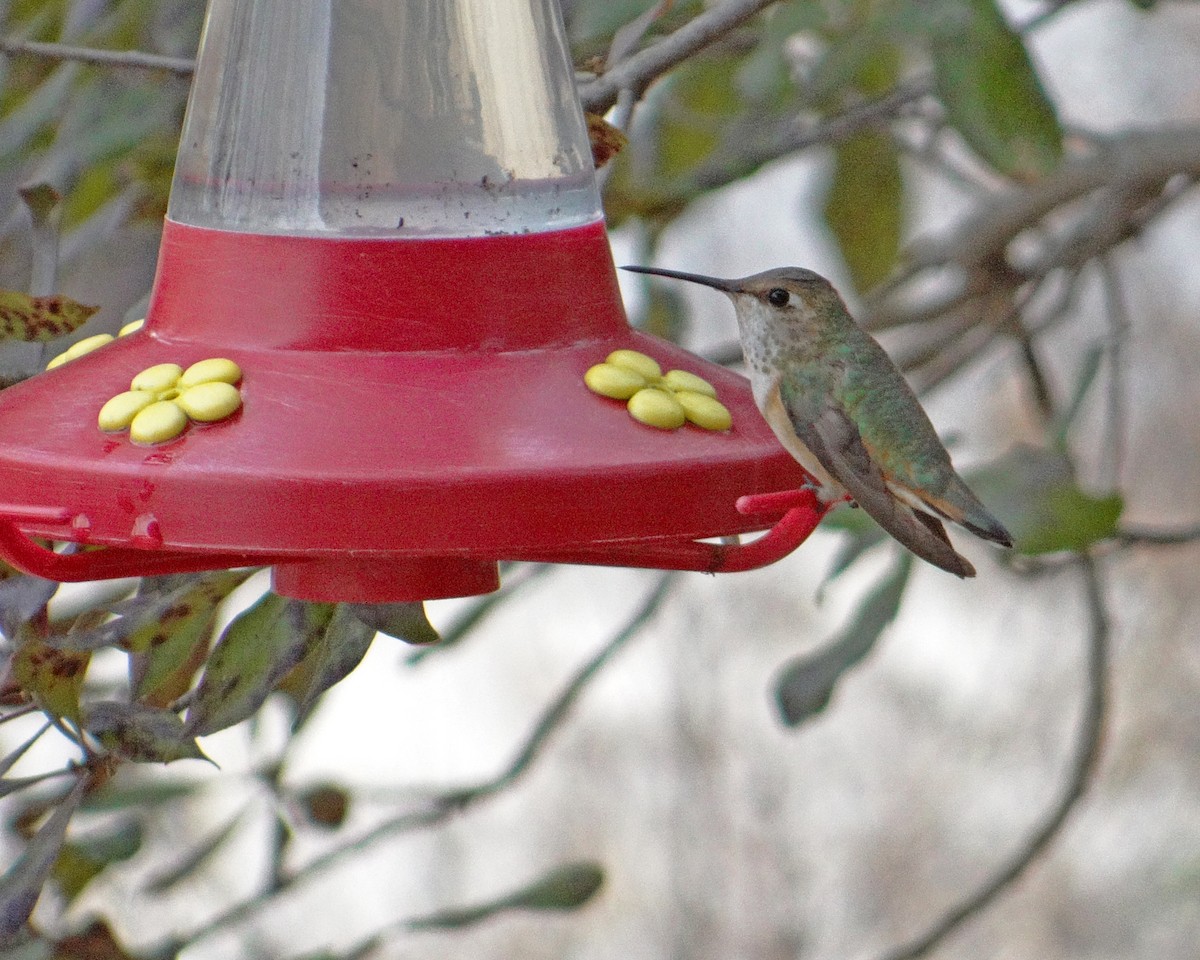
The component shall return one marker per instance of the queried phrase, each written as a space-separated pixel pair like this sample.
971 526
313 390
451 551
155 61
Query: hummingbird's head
782 288
788 295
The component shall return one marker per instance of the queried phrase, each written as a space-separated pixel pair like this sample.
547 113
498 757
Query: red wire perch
799 512
107 563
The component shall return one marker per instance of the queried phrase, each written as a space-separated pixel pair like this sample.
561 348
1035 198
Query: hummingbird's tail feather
959 505
962 567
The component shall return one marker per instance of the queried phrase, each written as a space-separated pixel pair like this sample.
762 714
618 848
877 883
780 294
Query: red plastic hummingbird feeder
385 215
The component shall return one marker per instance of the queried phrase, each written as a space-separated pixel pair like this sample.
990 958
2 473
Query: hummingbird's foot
827 495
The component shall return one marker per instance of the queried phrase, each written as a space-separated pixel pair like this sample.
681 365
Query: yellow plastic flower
163 399
666 401
88 344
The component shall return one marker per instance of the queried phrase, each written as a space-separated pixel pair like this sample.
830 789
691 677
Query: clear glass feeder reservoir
384 214
377 118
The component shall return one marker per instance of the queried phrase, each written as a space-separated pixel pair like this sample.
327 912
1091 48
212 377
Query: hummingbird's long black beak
726 286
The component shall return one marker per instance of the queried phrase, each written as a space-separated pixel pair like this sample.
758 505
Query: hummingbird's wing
834 439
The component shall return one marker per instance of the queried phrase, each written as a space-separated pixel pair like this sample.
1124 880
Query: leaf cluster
794 76
184 679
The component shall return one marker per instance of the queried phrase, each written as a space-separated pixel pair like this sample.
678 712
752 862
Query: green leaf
806 683
697 113
565 888
82 860
1034 491
148 620
404 621
141 733
254 653
864 206
176 640
862 54
23 317
41 199
22 597
338 650
22 885
54 678
990 88
766 72
19 127
140 795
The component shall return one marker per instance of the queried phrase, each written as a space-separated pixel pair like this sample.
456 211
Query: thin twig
1088 746
466 621
1039 381
1053 9
1116 309
556 712
1148 536
637 71
627 103
792 136
132 59
22 711
442 806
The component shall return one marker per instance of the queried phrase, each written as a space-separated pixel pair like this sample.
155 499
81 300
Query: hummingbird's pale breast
766 348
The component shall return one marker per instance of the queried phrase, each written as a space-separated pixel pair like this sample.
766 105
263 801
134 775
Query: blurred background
843 755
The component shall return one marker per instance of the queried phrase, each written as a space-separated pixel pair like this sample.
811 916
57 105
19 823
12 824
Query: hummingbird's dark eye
778 297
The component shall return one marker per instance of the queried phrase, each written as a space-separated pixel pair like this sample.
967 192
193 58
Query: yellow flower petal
211 401
161 421
216 369
616 382
704 411
682 380
656 408
160 377
87 345
637 362
119 412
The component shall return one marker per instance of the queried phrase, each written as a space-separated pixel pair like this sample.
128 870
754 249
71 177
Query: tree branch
794 135
1148 536
637 71
132 59
1132 163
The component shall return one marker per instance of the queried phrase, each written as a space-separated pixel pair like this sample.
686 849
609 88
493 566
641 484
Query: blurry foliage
103 138
729 109
846 78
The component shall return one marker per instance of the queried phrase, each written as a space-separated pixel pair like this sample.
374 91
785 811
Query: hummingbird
838 405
